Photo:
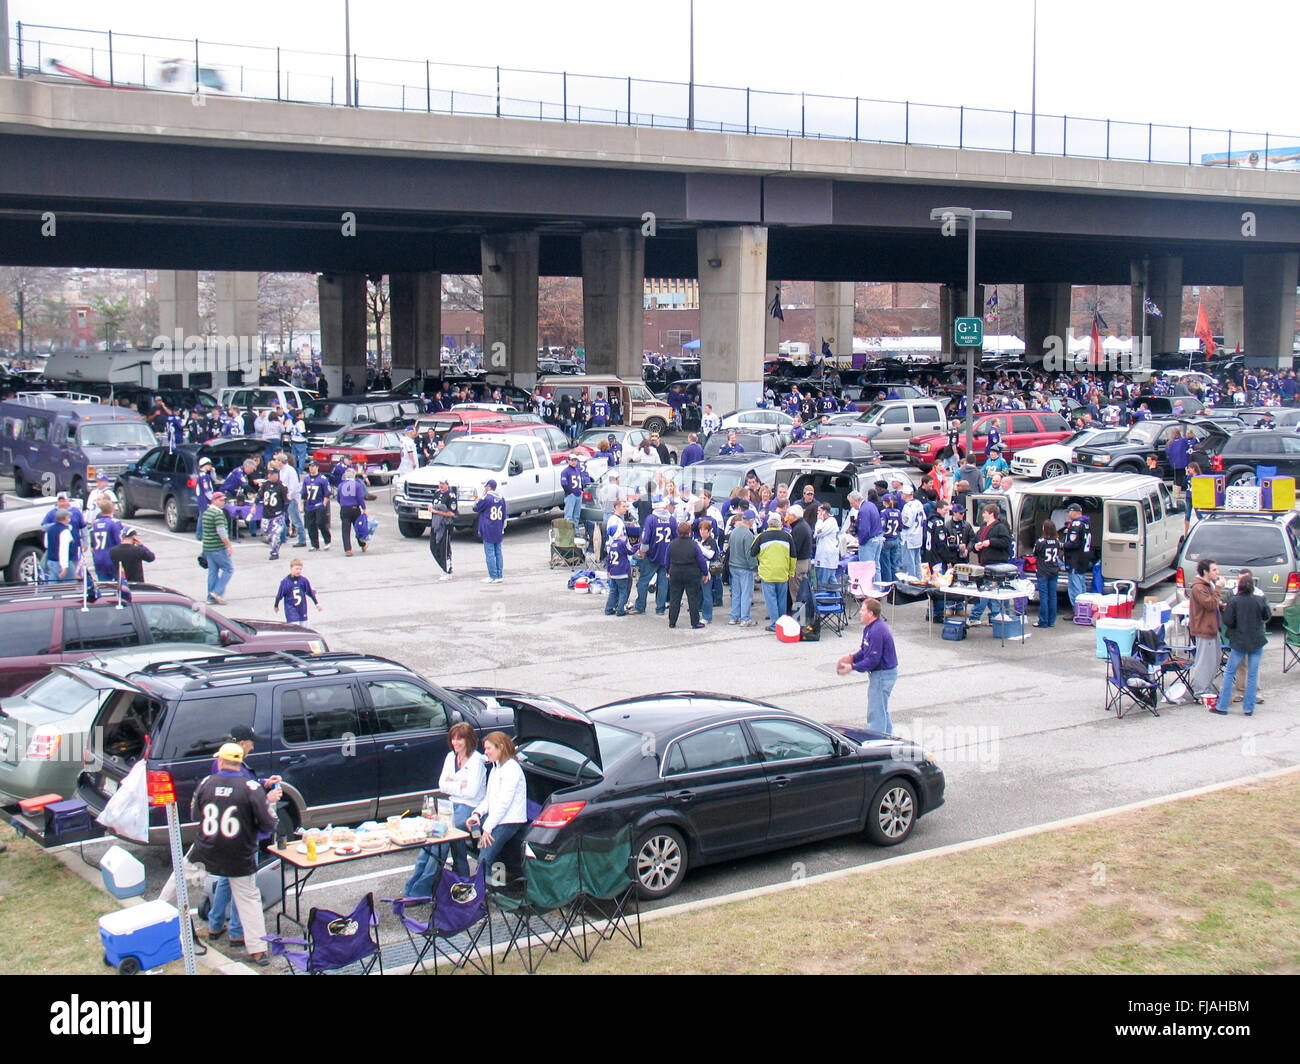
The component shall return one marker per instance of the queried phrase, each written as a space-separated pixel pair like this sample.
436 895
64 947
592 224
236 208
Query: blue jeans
1047 595
299 455
713 591
706 597
487 854
870 550
221 567
994 608
891 560
911 561
648 569
619 586
492 552
881 684
459 848
774 598
221 903
573 509
1078 585
1235 658
742 593
295 519
52 571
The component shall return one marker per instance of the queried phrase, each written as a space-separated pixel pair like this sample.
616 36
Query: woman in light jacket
464 780
503 812
826 547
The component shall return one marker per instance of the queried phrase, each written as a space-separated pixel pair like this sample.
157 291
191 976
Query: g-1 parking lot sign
968 332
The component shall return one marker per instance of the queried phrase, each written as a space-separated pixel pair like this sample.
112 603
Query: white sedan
1055 459
757 420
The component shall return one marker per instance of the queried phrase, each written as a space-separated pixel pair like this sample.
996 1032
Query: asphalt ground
1018 729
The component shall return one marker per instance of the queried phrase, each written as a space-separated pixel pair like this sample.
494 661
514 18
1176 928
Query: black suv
1151 438
354 737
1246 451
165 479
326 419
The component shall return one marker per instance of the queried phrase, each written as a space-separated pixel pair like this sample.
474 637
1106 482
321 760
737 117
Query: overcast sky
1211 64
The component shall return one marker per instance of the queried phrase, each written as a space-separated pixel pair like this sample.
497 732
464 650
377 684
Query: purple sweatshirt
877 650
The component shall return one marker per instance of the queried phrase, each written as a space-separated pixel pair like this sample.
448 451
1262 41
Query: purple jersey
295 591
105 533
491 510
657 536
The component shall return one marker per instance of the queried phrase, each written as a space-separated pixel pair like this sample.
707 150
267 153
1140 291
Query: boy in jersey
618 561
491 510
316 492
656 537
105 534
295 589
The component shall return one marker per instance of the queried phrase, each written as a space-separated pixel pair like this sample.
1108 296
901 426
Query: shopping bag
127 811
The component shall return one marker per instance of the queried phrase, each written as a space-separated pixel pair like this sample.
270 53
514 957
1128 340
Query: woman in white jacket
464 781
826 547
503 813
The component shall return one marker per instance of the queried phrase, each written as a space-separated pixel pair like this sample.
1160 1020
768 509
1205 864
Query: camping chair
1119 686
567 550
1291 640
609 889
547 901
458 916
333 942
829 605
1161 658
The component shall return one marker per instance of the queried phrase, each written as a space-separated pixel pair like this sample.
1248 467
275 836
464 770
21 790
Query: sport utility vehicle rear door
323 753
410 729
192 731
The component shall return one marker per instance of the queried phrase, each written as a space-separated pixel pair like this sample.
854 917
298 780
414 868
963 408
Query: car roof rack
236 669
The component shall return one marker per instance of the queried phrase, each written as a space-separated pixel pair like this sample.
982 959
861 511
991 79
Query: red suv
45 626
1020 429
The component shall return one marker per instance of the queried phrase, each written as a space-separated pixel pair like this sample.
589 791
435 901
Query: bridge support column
236 310
178 303
510 306
733 292
1233 317
1268 302
415 300
343 330
1164 286
772 325
1047 314
833 318
613 301
952 304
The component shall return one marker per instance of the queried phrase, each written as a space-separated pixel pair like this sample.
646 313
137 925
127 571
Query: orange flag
1203 331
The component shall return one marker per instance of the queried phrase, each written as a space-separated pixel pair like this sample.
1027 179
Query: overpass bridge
148 179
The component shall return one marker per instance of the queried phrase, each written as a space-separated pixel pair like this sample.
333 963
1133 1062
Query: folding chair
567 552
1161 657
607 875
458 916
1291 640
1144 693
547 902
333 942
830 610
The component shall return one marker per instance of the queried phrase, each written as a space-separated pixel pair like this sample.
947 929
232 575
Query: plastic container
1083 612
787 630
123 873
1121 630
142 937
1008 627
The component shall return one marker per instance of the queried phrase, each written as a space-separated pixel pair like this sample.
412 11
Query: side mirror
228 638
515 469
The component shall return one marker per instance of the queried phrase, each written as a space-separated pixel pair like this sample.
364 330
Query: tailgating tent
691 345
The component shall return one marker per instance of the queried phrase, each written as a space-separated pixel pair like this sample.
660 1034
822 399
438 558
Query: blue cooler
1008 627
141 937
1120 629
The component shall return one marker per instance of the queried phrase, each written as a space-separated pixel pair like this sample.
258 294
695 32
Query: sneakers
214 935
499 580
262 960
326 547
315 548
444 578
748 624
632 610
975 623
364 547
487 580
347 554
733 621
702 624
216 600
1219 712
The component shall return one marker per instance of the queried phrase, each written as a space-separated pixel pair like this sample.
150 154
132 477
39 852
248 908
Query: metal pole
196 66
1033 93
1065 134
347 52
690 99
110 55
20 48
428 91
857 103
970 351
907 122
498 91
1189 143
1265 151
564 81
629 101
746 108
277 71
182 888
4 38
961 126
803 115
22 326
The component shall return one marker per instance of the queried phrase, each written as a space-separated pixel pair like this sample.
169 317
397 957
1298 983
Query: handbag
203 561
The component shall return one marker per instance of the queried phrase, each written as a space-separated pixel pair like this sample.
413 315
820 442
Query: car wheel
892 813
655 425
410 529
172 513
78 488
25 565
1054 469
123 500
1240 476
661 863
21 488
1128 467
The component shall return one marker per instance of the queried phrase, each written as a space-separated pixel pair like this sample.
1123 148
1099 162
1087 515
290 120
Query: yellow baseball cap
231 752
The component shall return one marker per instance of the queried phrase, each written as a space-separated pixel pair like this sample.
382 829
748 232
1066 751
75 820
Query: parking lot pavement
1018 729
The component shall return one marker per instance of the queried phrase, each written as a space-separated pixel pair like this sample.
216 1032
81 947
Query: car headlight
1101 459
316 646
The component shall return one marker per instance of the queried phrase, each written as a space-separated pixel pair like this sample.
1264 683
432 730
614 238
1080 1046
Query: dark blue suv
164 480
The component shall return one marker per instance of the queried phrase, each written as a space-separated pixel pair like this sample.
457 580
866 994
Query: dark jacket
132 559
999 539
685 560
1245 617
802 538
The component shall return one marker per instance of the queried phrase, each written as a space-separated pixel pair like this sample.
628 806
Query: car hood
1045 450
542 717
277 627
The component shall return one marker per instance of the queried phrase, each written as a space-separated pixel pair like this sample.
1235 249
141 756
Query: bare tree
377 305
462 291
287 303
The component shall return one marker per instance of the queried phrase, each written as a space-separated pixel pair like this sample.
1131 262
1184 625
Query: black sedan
703 778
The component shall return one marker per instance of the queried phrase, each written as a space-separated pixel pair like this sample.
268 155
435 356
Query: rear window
99 628
60 693
200 726
1236 544
25 633
614 744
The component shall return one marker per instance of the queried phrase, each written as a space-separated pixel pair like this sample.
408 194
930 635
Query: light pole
690 100
950 215
1033 91
347 52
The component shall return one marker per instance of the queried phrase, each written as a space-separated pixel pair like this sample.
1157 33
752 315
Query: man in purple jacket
491 510
879 660
656 537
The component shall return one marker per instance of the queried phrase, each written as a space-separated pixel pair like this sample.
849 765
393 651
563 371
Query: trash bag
440 541
127 811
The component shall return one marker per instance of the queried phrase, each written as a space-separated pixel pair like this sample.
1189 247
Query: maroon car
47 625
379 449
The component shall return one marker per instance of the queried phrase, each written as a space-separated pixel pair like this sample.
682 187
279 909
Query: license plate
426 513
110 786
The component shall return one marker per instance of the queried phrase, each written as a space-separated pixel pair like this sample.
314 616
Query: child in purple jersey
295 590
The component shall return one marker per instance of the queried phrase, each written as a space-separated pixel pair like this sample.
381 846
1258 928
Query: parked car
639 406
720 778
261 398
757 421
1150 438
46 626
899 421
752 442
165 479
379 449
327 419
22 539
556 441
1056 459
1245 452
1020 429
629 438
354 737
43 728
1266 544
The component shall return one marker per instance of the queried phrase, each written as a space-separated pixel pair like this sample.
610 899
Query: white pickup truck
22 541
520 465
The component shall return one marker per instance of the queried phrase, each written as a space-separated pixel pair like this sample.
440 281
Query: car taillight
586 496
556 816
1293 582
44 744
1178 579
1216 463
191 483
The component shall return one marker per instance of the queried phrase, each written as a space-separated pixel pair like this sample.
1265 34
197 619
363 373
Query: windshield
339 413
592 437
60 693
874 410
117 434
472 454
362 439
1144 433
1237 543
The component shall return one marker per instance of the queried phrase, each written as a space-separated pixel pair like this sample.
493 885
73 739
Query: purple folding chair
454 929
333 942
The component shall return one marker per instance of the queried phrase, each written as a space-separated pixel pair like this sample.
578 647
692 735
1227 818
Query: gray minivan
50 444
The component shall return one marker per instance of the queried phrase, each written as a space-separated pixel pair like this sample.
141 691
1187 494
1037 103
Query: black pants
318 526
692 586
348 516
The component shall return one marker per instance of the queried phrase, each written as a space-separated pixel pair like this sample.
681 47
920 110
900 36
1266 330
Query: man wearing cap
101 490
130 555
491 510
743 565
615 449
232 811
572 479
617 560
657 536
995 465
802 539
76 519
62 546
444 505
1077 550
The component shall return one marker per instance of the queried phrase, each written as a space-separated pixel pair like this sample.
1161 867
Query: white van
1136 524
263 397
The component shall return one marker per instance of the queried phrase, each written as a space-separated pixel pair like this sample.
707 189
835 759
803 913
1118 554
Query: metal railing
135 61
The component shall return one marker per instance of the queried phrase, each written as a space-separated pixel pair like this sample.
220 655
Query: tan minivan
901 421
639 406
